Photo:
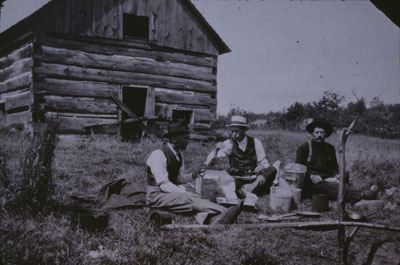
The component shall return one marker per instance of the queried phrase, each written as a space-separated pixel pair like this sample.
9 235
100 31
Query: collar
243 143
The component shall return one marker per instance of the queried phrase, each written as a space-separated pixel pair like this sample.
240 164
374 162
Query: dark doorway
135 99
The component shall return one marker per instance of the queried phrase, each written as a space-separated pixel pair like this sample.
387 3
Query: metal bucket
320 203
291 175
280 199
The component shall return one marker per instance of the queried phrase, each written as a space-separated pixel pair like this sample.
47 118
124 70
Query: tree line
378 119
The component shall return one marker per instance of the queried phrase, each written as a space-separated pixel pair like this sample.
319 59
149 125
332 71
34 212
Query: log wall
15 85
172 23
74 79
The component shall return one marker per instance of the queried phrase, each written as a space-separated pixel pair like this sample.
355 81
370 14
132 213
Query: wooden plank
120 77
78 105
175 98
16 69
76 124
15 83
22 53
17 100
125 63
150 102
203 115
124 108
130 48
59 87
24 118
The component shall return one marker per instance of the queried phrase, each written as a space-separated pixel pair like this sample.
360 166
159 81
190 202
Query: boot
370 194
229 216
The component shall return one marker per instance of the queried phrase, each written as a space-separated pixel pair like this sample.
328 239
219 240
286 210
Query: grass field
83 165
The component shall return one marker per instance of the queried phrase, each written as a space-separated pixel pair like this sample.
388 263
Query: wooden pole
341 204
297 225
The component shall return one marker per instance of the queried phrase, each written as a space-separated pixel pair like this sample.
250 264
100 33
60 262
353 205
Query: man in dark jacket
165 171
322 167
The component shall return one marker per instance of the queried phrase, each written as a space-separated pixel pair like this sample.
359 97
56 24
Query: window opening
185 115
136 26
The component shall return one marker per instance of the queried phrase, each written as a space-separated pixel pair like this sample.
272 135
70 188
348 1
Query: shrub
27 190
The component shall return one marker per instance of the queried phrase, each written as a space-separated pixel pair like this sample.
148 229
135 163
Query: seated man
165 168
322 167
246 157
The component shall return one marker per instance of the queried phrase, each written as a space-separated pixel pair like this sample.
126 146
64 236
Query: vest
243 161
173 166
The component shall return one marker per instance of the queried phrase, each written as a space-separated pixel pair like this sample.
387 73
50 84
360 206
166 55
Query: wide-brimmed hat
239 121
320 123
177 127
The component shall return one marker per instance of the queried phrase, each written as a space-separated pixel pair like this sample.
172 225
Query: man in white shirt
165 171
246 157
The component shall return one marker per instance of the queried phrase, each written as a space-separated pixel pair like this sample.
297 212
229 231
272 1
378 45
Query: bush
27 191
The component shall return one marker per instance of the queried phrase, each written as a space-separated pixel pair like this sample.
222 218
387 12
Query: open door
136 99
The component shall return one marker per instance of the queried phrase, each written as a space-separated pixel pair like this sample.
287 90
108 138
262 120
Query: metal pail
292 175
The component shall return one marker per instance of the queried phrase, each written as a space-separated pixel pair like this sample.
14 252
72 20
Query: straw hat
320 123
239 121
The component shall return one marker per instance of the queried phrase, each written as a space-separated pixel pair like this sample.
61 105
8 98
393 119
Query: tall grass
82 165
27 189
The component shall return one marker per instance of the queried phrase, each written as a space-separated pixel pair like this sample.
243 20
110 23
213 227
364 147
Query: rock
371 205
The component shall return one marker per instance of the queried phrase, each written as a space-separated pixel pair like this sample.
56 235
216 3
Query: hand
316 179
332 180
258 169
199 173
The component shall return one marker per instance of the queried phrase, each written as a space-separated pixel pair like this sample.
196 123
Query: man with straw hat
246 157
322 166
165 171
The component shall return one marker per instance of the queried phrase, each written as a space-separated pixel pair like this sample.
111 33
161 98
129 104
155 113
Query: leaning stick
297 225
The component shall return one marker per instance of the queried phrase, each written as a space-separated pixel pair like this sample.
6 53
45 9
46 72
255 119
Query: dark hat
177 127
320 123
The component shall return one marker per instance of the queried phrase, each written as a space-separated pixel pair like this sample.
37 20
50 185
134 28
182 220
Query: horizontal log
164 111
16 69
120 77
120 47
23 118
78 105
203 115
130 63
15 83
18 100
22 53
299 225
179 98
71 124
60 87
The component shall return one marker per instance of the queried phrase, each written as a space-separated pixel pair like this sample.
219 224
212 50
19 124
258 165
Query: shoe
229 216
370 194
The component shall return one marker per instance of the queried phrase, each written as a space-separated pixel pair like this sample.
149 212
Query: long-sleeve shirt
157 163
323 159
227 150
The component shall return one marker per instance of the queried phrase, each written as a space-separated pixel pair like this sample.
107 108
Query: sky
286 51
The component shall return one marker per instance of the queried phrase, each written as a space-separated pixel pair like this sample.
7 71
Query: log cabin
110 66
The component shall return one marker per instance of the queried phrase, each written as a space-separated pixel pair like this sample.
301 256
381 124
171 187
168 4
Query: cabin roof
223 47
